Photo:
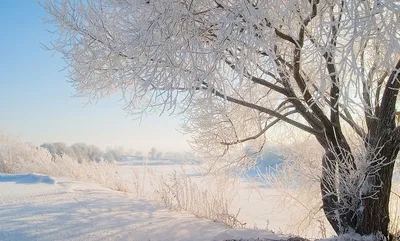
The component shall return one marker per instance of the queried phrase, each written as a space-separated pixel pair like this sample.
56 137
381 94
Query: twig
83 205
395 194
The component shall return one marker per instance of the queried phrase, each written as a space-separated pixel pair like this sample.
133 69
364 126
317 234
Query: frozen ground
37 207
261 207
290 212
40 208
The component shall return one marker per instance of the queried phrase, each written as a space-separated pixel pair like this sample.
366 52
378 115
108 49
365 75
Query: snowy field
257 206
294 212
41 208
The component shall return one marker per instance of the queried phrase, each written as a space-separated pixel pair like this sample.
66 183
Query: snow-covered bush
18 157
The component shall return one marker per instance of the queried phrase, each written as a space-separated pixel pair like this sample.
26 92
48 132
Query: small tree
326 67
152 153
159 155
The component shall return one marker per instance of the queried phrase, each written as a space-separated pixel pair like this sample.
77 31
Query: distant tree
239 68
50 147
152 153
94 153
79 150
109 156
58 148
159 155
114 154
84 152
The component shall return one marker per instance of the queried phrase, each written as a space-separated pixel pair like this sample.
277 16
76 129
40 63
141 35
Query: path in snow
34 207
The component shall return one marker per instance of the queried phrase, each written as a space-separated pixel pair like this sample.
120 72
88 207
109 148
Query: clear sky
35 97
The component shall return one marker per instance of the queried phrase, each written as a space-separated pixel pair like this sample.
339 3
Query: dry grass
179 192
20 158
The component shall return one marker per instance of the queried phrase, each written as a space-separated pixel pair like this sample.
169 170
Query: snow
27 178
37 207
258 206
355 237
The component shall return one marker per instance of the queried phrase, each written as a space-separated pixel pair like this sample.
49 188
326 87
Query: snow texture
27 178
32 210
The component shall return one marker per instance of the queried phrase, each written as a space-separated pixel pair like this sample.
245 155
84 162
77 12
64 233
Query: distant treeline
84 152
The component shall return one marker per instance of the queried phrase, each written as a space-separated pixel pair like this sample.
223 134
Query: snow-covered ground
290 212
265 208
36 207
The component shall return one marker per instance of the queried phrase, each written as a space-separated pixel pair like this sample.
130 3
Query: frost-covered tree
84 152
114 154
58 148
238 68
152 153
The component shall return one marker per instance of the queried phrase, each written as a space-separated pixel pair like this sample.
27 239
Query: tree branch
389 98
268 111
260 133
259 80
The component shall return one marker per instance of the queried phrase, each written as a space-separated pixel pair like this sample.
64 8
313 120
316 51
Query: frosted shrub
179 192
17 158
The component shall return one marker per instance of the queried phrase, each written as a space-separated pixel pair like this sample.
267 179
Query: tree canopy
238 68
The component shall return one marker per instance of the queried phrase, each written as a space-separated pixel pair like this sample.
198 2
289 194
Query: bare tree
238 68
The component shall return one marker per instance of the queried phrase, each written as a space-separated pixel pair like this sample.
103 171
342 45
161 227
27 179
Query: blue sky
36 102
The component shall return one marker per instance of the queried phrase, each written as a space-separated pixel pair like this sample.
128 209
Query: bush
179 192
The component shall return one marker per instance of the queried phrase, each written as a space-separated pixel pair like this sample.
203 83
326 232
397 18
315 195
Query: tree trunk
369 213
329 192
375 215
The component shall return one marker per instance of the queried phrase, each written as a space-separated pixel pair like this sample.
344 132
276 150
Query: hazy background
35 98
